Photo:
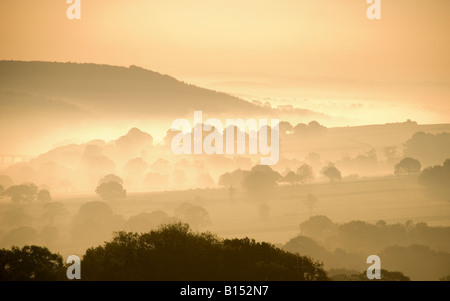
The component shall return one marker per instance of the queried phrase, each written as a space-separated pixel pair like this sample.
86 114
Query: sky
323 55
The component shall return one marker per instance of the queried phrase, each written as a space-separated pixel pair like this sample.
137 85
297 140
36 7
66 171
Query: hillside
52 101
106 89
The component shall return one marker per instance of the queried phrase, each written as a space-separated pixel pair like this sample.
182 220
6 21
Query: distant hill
46 102
102 89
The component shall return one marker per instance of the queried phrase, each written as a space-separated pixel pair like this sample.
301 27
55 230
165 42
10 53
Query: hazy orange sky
323 55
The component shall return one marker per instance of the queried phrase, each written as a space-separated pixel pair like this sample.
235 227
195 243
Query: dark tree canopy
417 261
436 181
144 222
22 193
31 263
94 223
291 177
93 210
312 128
111 191
305 245
44 196
429 149
6 181
385 276
445 278
174 252
407 166
319 226
110 178
195 216
234 179
285 128
305 172
261 178
332 173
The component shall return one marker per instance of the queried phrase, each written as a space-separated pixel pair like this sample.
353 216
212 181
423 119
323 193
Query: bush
175 253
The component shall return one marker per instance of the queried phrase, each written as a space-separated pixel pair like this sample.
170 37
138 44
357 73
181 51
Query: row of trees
263 177
259 178
28 192
420 251
172 252
363 236
110 188
435 179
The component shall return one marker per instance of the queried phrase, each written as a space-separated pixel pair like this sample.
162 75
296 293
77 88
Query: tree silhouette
174 252
354 235
44 196
5 181
417 261
235 178
332 173
407 166
135 143
261 179
436 181
30 263
94 223
306 174
22 193
285 128
110 178
312 128
144 222
111 191
307 246
319 227
195 216
429 149
291 177
300 128
385 276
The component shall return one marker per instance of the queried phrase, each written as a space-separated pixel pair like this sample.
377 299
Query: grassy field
391 199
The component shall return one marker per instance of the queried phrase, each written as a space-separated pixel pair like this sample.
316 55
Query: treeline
172 252
364 236
418 250
51 224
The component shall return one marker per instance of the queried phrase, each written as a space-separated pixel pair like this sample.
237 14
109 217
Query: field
392 199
